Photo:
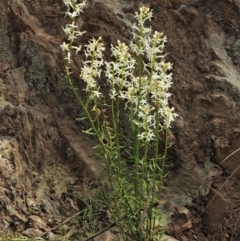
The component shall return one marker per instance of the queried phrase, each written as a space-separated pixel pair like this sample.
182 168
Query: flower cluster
146 93
73 10
120 71
91 69
142 82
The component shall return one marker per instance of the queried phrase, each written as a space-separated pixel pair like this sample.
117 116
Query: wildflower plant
138 77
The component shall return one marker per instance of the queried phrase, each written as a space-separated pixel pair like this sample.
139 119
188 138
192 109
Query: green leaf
80 119
89 132
95 147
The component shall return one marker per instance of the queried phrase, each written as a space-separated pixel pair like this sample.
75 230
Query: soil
45 158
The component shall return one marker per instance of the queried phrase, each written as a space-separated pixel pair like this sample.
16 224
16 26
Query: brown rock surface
43 152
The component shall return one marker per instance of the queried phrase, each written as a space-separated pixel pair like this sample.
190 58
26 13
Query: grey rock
53 237
32 232
36 222
236 50
48 207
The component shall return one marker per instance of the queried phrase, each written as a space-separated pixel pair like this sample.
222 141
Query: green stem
154 172
136 130
115 119
164 155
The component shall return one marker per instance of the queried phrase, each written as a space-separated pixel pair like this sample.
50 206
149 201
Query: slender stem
100 232
136 131
79 100
117 135
154 172
164 155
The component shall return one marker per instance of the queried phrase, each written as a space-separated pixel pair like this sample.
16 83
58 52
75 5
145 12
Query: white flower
80 6
67 30
68 57
96 46
147 136
74 9
79 34
157 35
97 94
72 15
77 48
113 93
91 69
143 15
72 25
68 3
64 46
71 37
170 116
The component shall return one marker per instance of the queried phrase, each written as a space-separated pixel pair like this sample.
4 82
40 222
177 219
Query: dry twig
64 222
101 231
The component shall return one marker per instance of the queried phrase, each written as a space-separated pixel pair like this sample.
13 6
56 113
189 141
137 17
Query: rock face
43 153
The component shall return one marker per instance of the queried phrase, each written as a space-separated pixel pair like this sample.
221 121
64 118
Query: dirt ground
44 156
